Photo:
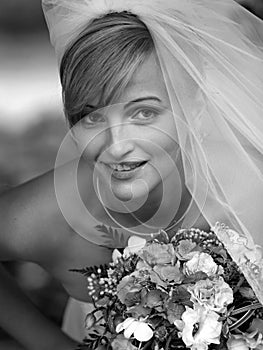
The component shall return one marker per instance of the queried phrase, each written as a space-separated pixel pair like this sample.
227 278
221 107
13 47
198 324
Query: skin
138 127
128 131
33 227
31 212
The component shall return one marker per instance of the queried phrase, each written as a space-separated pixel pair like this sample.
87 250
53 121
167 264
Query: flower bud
90 320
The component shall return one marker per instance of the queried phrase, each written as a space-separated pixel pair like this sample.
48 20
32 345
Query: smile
125 170
126 166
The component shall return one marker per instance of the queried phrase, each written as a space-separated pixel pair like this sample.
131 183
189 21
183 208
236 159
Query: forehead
147 80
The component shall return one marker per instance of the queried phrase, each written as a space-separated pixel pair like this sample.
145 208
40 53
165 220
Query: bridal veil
218 46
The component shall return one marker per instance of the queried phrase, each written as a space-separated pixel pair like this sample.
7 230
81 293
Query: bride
164 103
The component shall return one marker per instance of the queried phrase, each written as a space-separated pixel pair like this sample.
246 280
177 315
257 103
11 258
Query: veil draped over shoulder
217 46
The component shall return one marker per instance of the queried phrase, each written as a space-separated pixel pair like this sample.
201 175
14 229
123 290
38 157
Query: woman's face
131 144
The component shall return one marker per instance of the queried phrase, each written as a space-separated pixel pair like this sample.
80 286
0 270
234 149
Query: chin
122 192
136 191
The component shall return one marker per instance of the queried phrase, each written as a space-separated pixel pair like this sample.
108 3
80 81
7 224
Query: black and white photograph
131 174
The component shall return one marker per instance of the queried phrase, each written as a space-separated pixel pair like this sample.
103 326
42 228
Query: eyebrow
153 98
140 99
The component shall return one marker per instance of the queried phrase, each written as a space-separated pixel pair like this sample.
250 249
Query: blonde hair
102 61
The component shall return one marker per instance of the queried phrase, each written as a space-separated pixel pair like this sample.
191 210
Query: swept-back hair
101 62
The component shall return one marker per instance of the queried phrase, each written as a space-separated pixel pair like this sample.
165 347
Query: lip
125 174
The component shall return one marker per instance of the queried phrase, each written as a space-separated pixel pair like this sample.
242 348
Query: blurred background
32 126
31 129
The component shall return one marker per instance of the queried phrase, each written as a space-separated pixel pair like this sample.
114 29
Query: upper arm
28 214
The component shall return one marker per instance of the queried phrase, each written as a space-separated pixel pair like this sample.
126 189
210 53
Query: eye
145 114
93 119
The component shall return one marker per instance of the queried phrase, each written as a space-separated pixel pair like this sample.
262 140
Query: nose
120 141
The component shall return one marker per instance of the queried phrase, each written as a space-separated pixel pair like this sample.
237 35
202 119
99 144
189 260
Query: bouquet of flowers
184 292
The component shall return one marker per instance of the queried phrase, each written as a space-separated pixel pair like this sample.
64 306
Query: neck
165 204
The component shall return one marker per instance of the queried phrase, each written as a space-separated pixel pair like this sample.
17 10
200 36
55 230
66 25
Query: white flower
135 244
201 262
141 330
223 295
116 255
212 294
179 324
208 328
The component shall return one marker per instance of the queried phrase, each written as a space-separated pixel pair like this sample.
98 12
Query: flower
135 244
247 293
161 333
208 328
237 344
154 298
174 311
90 321
141 330
174 293
116 255
128 290
179 324
245 341
212 294
156 253
201 262
169 273
184 249
139 311
223 295
121 343
256 324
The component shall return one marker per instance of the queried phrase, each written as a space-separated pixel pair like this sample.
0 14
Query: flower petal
237 344
120 343
179 324
135 244
116 254
130 329
189 317
143 332
123 325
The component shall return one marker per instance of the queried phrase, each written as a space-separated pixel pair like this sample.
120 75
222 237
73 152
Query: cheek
89 144
166 143
163 151
165 138
168 135
90 153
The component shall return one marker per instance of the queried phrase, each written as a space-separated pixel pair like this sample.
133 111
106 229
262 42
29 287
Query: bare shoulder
32 225
33 228
75 252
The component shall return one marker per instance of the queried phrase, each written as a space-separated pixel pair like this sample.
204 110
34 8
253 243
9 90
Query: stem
246 308
149 343
93 302
242 320
239 284
168 342
169 339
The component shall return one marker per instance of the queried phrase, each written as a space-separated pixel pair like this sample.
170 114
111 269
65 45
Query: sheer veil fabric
216 48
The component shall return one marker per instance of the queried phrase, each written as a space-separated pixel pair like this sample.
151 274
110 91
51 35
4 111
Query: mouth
126 166
125 170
